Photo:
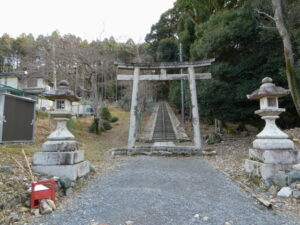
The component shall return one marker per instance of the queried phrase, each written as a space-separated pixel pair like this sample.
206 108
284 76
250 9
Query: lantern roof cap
268 89
62 92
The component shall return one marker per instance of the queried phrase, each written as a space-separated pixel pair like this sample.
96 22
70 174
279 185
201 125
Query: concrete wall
13 82
80 109
10 81
44 103
41 83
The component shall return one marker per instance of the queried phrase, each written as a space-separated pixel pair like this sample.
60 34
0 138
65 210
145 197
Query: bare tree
288 52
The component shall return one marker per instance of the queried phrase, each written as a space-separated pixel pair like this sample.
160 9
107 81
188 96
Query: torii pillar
195 111
133 109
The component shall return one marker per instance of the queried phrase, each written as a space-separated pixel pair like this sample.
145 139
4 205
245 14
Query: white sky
88 19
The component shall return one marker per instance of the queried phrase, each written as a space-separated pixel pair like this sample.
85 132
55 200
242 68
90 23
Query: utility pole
116 90
76 77
181 85
102 81
54 67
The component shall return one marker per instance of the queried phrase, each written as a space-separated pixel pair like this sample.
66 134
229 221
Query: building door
19 119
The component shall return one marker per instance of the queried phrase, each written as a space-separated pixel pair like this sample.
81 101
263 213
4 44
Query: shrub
94 127
101 127
70 124
106 125
114 119
105 114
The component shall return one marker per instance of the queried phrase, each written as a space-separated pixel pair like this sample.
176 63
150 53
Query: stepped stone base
291 156
58 158
265 170
266 163
71 172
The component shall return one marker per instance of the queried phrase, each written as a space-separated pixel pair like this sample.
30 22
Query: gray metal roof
10 74
45 76
20 74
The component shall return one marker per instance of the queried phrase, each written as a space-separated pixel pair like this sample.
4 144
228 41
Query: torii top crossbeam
165 65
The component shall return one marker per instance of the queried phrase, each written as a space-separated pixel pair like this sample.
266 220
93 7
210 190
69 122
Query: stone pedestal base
71 172
60 146
290 156
265 170
266 163
273 144
61 164
58 158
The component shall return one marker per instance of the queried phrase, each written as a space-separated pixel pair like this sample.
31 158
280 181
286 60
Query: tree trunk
95 102
288 53
218 126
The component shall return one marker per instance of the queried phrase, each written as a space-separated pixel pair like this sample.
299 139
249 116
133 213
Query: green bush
70 124
94 127
106 125
101 127
114 119
105 114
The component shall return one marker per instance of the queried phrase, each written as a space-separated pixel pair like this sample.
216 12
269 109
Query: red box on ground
40 191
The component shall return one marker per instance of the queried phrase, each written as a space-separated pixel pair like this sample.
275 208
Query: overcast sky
89 19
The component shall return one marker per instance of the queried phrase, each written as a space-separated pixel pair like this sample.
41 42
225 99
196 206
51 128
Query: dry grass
96 146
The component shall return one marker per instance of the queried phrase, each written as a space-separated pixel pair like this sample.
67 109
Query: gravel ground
163 191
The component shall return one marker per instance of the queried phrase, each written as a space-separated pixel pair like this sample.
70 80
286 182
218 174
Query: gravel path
163 191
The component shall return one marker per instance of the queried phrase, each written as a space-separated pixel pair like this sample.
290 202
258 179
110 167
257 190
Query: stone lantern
272 149
63 98
61 155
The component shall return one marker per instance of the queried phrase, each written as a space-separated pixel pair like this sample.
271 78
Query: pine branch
265 14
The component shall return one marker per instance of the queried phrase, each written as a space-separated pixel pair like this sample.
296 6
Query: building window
32 82
60 104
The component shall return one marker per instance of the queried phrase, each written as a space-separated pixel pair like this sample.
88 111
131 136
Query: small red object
39 192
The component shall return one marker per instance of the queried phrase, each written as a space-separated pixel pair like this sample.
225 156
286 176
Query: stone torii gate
163 76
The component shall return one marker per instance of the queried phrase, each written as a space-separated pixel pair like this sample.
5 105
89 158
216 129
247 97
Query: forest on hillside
244 36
